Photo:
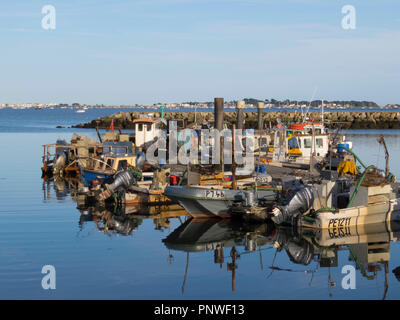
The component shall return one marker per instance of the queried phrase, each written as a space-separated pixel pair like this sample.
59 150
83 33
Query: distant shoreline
229 109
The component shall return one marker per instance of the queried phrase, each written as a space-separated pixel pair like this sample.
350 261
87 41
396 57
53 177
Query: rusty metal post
260 107
219 255
240 116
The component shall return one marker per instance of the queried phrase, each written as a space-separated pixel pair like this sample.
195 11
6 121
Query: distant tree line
314 103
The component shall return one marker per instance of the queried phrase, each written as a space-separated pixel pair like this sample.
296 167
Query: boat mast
322 111
312 98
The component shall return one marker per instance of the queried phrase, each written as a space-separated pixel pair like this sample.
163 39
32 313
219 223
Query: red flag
112 126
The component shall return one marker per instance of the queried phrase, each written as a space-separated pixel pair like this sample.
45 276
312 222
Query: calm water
103 255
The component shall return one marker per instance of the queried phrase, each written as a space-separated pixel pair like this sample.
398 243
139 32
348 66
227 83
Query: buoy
173 180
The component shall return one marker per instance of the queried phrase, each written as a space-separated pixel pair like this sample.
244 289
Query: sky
148 51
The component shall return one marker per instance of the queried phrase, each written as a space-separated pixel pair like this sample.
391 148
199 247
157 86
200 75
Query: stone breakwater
345 120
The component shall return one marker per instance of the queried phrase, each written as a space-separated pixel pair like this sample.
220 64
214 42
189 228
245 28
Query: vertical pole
162 111
233 159
218 124
382 141
240 115
312 149
260 107
186 272
218 113
322 112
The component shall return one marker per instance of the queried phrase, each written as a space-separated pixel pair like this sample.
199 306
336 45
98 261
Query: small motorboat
215 201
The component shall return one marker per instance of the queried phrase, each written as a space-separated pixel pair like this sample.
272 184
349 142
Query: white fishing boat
213 201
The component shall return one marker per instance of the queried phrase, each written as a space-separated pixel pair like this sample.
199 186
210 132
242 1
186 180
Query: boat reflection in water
198 235
368 247
63 188
119 220
109 222
111 219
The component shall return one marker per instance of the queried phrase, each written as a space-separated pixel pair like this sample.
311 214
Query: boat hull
91 175
207 202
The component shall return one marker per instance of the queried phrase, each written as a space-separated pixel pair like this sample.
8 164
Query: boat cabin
115 163
306 145
318 128
145 131
298 145
120 148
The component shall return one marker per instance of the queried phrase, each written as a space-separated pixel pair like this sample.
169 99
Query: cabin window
110 163
318 131
140 127
148 127
263 142
293 143
122 165
319 142
307 143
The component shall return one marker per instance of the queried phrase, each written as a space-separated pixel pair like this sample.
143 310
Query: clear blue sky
148 51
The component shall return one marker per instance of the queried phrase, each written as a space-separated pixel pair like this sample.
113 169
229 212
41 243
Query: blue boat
107 167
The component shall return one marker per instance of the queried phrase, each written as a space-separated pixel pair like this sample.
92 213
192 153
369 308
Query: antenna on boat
322 111
312 98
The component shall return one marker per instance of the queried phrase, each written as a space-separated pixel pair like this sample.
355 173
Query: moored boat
208 201
107 167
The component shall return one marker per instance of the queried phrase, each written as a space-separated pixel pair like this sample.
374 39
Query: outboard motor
301 252
60 162
300 202
61 157
140 160
121 225
122 181
298 249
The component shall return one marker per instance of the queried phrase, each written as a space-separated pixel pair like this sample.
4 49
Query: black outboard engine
300 202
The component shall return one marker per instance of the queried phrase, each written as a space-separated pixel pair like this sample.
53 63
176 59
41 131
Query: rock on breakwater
346 120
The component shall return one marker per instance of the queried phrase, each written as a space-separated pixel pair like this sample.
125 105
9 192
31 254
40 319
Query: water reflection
206 235
117 220
63 188
109 222
368 247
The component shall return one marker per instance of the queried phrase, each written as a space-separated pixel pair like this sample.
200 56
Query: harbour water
41 225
